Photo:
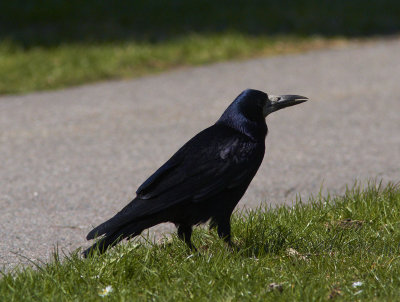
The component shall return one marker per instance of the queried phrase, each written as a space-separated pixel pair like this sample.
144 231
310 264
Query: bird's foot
233 247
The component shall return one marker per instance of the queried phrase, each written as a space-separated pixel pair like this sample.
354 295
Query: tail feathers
111 239
103 244
134 211
99 230
110 226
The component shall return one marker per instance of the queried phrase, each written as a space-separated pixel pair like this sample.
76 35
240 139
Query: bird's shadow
275 241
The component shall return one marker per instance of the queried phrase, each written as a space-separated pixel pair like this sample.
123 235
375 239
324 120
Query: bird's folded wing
195 176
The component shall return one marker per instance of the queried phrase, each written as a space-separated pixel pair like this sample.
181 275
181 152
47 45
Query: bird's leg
185 233
213 224
224 230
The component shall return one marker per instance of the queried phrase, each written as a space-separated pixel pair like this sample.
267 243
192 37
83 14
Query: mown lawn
66 65
47 44
343 248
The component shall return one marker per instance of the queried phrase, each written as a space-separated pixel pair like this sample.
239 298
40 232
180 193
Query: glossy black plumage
203 180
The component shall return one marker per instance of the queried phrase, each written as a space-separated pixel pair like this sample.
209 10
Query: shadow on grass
52 22
274 241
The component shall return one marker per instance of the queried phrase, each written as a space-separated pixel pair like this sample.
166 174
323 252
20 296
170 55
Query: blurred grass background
54 43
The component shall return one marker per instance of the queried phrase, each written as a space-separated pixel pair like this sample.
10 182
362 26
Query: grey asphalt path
71 158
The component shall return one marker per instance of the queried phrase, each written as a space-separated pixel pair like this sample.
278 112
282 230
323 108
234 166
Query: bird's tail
110 239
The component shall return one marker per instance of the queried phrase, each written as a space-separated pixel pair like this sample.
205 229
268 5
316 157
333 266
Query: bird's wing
163 173
214 160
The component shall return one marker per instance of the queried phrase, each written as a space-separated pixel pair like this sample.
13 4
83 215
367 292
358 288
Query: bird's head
251 107
255 103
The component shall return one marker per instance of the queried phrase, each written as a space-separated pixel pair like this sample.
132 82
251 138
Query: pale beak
278 102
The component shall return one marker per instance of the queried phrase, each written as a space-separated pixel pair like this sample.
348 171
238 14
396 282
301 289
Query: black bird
205 179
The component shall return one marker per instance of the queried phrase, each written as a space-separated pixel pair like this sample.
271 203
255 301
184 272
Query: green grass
39 68
47 44
340 248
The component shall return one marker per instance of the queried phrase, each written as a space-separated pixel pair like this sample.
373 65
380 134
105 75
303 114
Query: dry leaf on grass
345 224
276 286
293 253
